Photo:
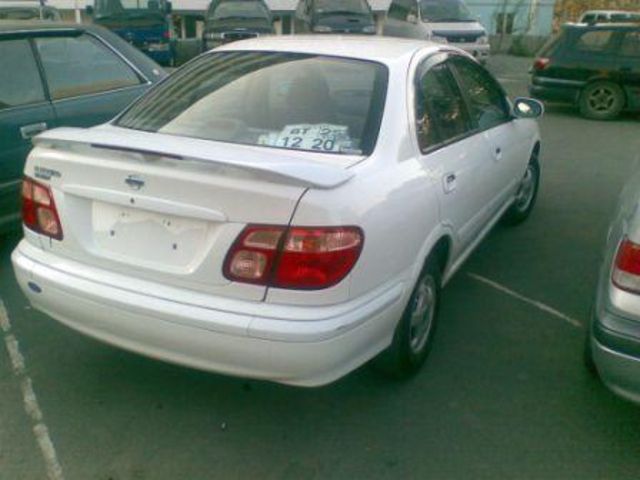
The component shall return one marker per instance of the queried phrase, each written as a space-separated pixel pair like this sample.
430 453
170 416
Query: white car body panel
147 264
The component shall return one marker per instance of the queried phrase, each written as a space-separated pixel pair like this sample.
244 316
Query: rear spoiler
309 169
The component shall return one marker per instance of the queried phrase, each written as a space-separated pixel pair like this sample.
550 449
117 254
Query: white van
444 21
609 16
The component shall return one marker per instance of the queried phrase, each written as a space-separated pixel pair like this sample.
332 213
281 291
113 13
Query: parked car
275 211
231 20
334 16
595 67
613 342
609 16
56 74
443 21
145 24
27 10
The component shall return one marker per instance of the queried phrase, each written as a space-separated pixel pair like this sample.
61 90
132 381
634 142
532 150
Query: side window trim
422 69
43 76
141 76
477 129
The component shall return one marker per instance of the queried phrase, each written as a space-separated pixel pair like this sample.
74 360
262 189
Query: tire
414 334
527 194
602 100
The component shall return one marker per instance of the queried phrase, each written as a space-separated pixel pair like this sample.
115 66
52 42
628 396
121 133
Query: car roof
17 26
381 49
11 28
603 26
606 12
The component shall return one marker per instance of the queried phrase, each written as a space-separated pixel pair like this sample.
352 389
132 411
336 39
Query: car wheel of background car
602 100
527 193
414 334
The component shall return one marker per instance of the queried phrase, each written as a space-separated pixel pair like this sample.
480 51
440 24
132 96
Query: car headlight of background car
213 36
369 29
322 29
158 47
483 40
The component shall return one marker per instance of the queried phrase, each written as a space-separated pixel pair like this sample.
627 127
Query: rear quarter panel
392 197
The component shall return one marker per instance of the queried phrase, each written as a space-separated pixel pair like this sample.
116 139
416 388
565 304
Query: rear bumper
553 90
617 355
281 349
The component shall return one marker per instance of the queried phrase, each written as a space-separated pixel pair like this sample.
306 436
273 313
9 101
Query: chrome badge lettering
46 173
135 182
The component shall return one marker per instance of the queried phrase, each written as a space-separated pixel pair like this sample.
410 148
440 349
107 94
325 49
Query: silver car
613 342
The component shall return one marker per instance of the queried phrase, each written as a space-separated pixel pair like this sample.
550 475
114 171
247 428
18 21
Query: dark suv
334 16
231 20
596 67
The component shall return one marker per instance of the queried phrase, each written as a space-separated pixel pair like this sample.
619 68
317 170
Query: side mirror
527 108
412 18
168 8
89 10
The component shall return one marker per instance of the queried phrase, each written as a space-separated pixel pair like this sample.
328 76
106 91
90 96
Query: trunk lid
166 208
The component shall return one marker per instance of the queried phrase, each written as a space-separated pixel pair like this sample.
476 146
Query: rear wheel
527 194
414 334
602 100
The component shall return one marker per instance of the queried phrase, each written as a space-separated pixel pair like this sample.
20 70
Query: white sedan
283 208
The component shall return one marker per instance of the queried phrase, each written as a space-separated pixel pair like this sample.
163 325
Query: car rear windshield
550 46
240 11
273 99
334 7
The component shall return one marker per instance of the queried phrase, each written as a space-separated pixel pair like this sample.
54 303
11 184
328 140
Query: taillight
541 63
309 258
626 270
39 209
166 34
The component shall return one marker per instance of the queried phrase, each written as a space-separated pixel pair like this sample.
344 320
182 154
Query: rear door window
595 41
631 45
441 113
20 82
82 65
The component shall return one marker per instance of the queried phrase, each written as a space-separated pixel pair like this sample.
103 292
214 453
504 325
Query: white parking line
29 399
522 298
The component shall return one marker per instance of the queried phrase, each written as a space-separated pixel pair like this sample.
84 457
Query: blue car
55 74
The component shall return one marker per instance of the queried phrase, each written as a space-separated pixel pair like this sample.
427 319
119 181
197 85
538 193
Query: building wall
522 17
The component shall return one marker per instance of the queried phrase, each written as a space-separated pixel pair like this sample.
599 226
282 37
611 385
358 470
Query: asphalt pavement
504 394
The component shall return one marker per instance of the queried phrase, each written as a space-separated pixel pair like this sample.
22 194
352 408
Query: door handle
30 131
449 182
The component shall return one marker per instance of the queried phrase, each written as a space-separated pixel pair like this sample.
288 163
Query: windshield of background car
445 11
240 10
273 99
129 8
333 7
19 14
